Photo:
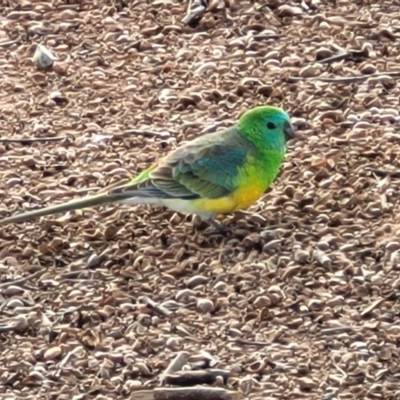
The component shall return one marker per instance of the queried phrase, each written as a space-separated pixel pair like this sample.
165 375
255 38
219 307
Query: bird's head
269 124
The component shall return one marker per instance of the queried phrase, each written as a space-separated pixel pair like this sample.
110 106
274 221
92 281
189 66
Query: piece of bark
177 363
195 393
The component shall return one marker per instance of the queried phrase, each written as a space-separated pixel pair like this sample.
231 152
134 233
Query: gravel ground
300 301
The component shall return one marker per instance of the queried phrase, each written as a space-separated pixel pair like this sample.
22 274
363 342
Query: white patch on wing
179 205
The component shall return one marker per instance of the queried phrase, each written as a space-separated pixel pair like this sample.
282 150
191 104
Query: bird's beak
289 131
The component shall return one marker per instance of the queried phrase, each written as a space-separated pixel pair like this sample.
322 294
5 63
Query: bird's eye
271 125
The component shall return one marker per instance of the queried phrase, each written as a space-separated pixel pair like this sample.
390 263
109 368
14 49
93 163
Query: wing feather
206 167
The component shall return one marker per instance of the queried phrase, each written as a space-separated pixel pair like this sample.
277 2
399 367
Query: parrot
216 173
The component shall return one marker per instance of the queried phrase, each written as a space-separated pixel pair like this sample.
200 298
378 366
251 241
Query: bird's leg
217 228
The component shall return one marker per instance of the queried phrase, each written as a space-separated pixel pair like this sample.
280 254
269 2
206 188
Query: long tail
110 194
88 201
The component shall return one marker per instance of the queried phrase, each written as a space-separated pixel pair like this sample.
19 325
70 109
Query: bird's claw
217 229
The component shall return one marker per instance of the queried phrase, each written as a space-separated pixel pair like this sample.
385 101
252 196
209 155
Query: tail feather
88 201
111 194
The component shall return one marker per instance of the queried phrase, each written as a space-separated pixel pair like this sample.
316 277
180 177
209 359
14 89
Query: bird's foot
217 228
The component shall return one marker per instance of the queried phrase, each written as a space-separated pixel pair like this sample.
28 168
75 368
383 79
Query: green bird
216 173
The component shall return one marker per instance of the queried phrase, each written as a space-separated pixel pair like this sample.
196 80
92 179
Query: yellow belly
246 196
240 199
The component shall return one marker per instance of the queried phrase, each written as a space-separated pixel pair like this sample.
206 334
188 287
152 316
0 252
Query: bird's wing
207 167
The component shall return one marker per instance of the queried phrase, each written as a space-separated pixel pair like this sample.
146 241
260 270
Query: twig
200 377
21 280
343 56
33 140
345 79
265 37
372 307
10 42
336 57
145 132
195 393
336 330
383 173
249 342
